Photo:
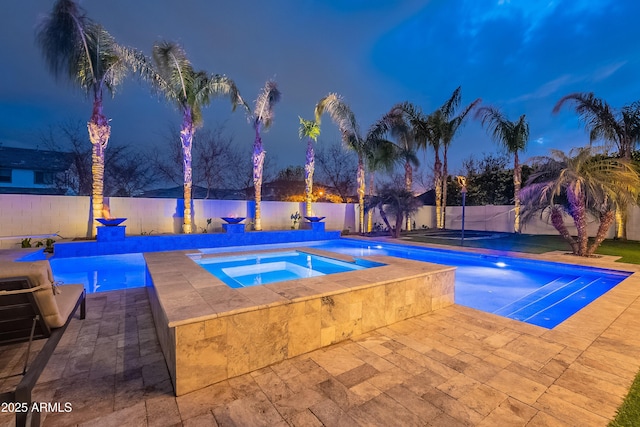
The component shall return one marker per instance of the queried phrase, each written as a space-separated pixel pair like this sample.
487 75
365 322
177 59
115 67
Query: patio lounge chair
33 307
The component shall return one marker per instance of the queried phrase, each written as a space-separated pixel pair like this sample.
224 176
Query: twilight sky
518 55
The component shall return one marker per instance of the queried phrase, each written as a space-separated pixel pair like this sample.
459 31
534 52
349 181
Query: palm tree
513 136
344 118
310 130
81 50
603 122
450 127
403 150
262 118
577 184
425 134
382 155
189 90
398 202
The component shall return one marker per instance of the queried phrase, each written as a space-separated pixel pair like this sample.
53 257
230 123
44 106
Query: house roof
39 160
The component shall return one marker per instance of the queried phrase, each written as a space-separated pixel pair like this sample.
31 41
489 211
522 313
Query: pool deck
453 367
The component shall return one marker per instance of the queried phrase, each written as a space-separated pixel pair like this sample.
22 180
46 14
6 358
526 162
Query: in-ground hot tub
239 271
209 331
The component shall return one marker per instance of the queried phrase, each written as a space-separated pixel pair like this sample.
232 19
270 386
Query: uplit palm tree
262 118
76 47
310 130
404 146
621 128
344 118
189 90
577 184
450 126
513 136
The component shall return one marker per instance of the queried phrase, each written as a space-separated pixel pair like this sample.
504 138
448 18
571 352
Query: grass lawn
535 244
629 251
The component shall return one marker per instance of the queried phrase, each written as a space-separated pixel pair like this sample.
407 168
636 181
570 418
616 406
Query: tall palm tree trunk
99 132
186 138
258 164
622 213
408 183
445 176
360 181
606 219
438 184
309 168
517 183
370 211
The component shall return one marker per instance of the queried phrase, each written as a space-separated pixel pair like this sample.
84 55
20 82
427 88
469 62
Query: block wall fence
68 216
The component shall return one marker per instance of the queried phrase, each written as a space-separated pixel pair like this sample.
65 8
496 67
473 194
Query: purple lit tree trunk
360 181
186 138
578 212
309 169
258 164
558 223
99 132
606 219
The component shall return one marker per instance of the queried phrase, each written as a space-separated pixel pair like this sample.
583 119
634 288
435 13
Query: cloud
607 71
548 88
560 85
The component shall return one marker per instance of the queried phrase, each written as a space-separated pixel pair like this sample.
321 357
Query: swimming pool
239 271
537 292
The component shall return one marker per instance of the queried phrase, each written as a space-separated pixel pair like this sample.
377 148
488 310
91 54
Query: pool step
534 296
572 303
558 299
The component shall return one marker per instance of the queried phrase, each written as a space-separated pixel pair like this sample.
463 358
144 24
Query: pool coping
204 289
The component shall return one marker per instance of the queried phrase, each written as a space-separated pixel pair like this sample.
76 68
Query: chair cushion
55 309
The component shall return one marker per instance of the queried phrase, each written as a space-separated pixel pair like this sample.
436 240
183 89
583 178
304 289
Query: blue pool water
536 292
101 273
238 271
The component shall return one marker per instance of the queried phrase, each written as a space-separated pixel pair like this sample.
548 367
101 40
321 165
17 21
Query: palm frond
513 136
175 69
599 118
268 97
110 65
61 37
451 127
308 129
422 125
341 114
447 109
221 85
394 124
382 155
